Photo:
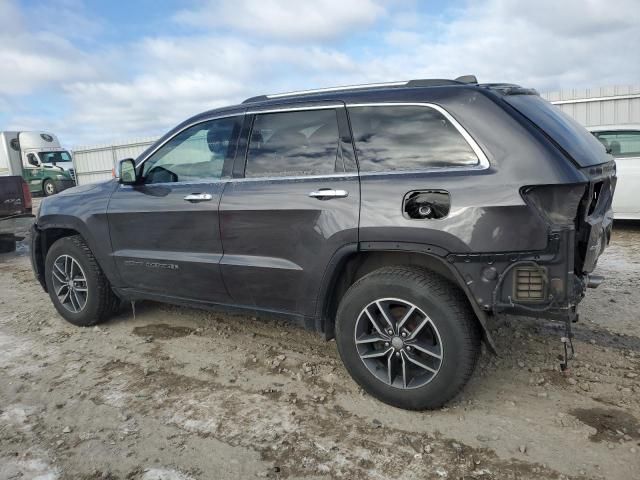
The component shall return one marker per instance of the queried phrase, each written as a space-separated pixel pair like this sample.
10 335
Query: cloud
205 72
37 55
292 19
544 44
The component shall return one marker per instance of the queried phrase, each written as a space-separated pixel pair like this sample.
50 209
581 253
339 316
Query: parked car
39 159
15 211
623 142
395 218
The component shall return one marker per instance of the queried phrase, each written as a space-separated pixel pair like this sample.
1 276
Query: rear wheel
77 286
49 188
408 337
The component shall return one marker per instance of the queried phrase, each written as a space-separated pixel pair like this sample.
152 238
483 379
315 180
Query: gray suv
395 218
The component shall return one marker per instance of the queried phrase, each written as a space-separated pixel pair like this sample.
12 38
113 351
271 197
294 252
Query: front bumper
37 259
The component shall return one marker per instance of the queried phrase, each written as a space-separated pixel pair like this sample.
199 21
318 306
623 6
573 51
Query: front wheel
49 188
408 337
78 288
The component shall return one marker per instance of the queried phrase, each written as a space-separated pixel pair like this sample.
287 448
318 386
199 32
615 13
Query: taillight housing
558 204
26 196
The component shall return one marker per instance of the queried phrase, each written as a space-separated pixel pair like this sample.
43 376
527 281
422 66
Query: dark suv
393 217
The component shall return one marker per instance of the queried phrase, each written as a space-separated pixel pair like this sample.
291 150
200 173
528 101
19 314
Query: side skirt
129 294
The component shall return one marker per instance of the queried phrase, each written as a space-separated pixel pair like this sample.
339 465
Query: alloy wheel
69 283
398 343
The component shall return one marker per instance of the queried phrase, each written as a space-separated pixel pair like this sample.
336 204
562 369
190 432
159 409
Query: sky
96 71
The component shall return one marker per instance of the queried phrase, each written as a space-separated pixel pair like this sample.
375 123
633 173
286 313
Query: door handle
328 193
198 197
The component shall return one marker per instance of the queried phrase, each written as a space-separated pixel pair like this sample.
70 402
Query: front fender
82 210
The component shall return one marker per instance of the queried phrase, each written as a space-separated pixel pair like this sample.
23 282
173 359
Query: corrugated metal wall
95 163
614 105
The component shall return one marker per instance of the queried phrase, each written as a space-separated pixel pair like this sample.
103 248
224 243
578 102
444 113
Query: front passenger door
165 232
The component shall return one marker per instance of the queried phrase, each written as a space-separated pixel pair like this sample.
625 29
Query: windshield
54 157
569 134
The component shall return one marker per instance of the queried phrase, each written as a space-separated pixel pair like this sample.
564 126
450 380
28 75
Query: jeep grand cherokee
393 217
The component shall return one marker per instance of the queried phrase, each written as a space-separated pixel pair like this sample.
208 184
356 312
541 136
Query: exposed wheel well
359 264
51 235
47 238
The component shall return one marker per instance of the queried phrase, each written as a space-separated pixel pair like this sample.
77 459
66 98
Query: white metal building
96 163
614 105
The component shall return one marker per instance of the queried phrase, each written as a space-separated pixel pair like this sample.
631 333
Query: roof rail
466 79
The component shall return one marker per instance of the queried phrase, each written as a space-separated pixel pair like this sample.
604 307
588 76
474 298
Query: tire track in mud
304 438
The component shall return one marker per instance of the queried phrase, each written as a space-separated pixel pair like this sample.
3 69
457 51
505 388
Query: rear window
391 138
621 144
564 130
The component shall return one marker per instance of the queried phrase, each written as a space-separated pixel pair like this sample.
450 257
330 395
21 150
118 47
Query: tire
7 245
451 332
49 188
100 302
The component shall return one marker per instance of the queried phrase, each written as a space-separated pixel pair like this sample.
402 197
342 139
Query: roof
432 90
429 82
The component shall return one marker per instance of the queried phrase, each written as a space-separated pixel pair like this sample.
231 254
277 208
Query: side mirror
33 160
126 171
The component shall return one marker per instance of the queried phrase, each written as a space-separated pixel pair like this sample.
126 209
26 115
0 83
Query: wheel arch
351 263
50 230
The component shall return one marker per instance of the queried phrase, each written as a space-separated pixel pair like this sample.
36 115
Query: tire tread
453 298
108 302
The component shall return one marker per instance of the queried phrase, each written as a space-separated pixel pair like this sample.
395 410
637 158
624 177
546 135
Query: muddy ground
178 394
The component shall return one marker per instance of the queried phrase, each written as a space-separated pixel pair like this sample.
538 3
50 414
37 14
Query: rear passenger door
294 203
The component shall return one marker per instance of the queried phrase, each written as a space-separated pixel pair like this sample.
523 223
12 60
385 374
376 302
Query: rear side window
294 144
407 138
564 130
621 144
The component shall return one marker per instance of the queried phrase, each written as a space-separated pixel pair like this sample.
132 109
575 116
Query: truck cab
39 158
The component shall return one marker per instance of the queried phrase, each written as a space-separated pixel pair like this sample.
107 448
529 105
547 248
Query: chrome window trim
294 177
483 161
243 113
186 127
253 179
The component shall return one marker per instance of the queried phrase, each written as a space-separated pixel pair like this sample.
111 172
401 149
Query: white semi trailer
38 158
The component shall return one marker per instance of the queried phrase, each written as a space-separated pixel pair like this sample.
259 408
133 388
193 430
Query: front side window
621 144
54 157
294 144
392 138
197 153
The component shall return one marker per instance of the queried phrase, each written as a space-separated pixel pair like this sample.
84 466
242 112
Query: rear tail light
26 195
529 284
558 204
